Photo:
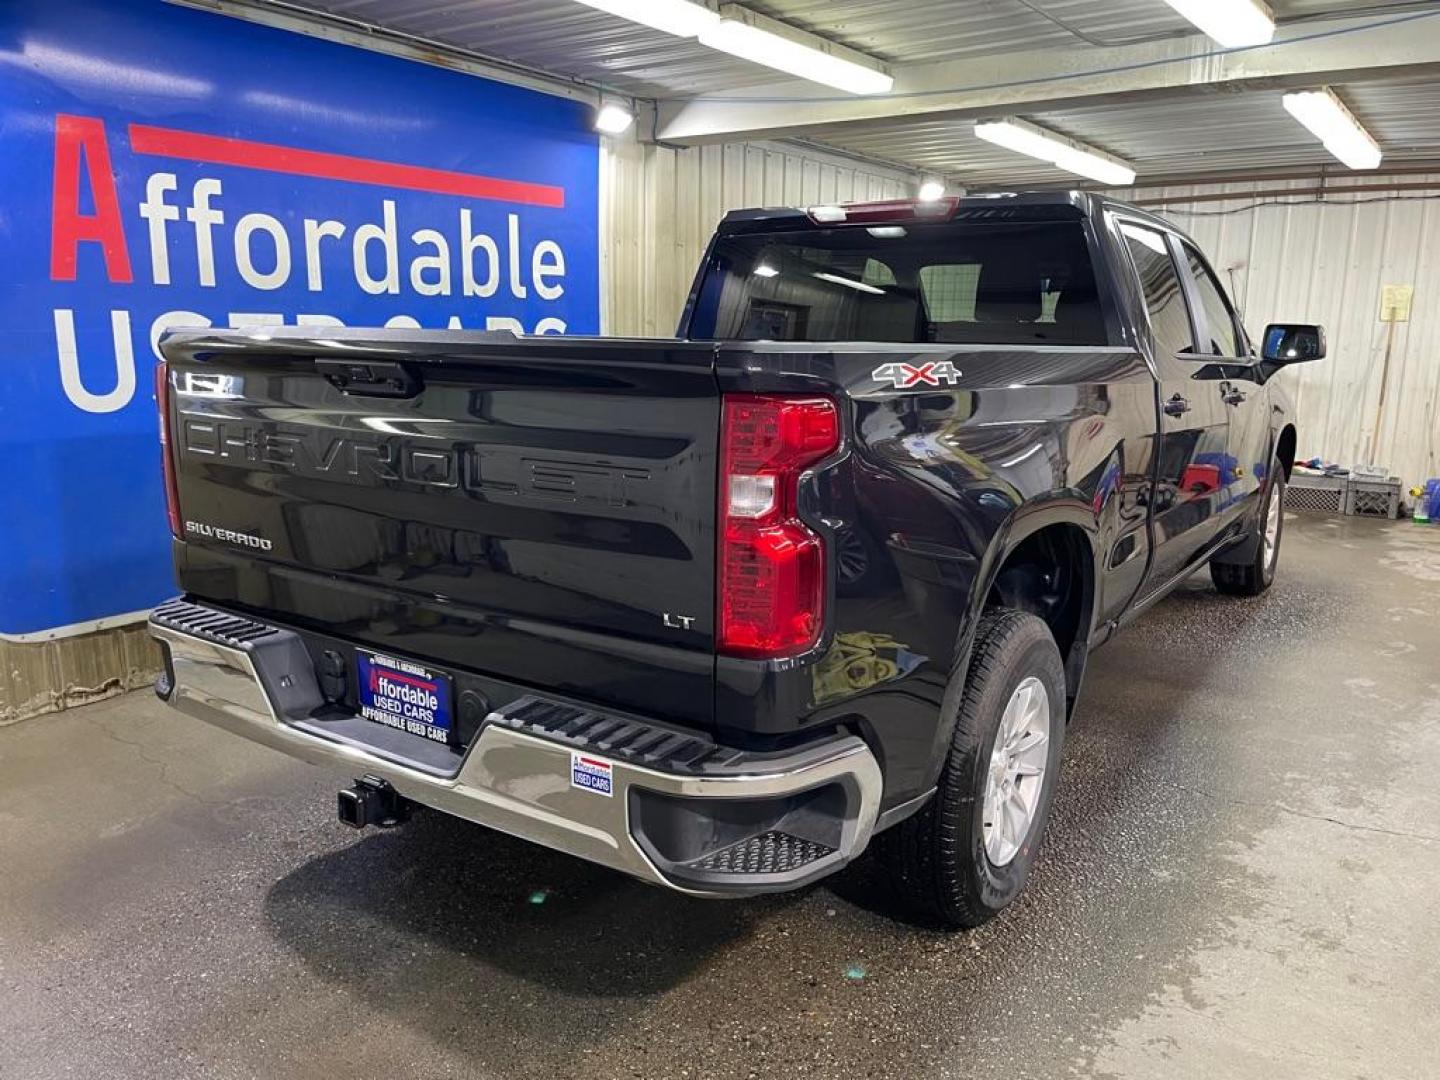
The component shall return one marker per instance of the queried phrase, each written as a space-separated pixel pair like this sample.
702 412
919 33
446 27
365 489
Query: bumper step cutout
772 852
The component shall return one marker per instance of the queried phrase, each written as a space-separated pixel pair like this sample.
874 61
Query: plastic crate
1373 498
1312 493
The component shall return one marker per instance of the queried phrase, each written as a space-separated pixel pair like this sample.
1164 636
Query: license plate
404 696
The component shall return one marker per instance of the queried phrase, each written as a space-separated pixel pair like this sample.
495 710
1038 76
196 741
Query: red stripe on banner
592 761
217 150
395 676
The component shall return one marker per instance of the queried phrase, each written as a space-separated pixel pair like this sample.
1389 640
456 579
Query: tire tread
925 853
1249 579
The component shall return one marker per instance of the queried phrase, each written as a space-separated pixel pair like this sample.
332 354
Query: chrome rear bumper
814 810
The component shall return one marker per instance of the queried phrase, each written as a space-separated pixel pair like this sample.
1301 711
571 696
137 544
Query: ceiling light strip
678 17
1232 24
1023 137
1327 118
759 39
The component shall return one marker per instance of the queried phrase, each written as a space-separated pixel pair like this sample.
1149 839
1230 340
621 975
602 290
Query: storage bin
1373 498
1313 493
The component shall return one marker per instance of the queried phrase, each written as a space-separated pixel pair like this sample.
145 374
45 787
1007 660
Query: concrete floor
1242 879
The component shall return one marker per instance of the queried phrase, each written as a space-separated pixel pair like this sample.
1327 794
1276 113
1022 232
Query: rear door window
1160 286
1220 322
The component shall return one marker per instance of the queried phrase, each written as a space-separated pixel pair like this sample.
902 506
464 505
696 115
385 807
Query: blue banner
170 167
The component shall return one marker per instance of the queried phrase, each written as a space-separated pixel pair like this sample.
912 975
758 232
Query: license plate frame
405 696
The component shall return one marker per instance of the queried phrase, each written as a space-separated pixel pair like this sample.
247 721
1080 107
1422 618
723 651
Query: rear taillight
162 403
771 564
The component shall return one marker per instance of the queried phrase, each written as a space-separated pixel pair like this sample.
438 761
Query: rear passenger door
1192 450
1233 376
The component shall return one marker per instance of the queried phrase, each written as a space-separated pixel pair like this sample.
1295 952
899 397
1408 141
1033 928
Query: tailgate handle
370 378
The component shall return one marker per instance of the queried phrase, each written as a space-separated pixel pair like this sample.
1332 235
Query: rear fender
1027 521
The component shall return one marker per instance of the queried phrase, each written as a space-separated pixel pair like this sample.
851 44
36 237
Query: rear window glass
1001 283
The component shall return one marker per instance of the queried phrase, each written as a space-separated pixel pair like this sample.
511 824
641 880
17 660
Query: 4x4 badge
906 376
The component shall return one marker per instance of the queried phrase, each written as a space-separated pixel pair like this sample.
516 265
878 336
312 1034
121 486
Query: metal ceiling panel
935 30
565 38
1216 132
1209 133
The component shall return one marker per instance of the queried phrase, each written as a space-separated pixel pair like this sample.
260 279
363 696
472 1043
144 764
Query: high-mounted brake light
890 210
162 403
772 578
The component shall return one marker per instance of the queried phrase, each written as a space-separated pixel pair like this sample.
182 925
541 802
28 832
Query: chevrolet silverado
821 573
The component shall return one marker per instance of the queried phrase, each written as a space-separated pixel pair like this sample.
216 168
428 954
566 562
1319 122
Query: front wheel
1254 577
967 855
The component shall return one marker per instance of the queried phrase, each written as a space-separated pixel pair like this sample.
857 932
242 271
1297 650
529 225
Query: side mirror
1293 343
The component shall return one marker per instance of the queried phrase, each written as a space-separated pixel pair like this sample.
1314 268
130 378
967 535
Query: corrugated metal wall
659 205
45 677
1291 258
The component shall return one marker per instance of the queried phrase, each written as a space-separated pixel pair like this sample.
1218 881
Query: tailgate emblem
905 376
229 536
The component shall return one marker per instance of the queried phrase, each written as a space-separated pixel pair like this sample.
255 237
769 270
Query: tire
939 862
1254 577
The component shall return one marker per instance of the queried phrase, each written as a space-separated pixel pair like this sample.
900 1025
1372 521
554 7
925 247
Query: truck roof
1023 203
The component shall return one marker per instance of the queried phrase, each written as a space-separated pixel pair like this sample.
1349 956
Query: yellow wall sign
1395 301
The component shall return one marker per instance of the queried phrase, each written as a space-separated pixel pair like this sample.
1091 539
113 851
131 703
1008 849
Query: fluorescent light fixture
678 17
886 232
762 40
930 190
1332 123
836 279
613 119
1233 24
1096 166
764 270
1034 141
758 38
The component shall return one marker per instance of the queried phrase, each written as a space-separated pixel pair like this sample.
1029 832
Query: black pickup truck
720 612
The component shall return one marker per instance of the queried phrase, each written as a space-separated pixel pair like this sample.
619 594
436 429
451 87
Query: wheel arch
1032 530
1065 542
1285 448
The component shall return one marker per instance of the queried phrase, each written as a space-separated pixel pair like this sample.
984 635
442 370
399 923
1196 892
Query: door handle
1232 396
1177 406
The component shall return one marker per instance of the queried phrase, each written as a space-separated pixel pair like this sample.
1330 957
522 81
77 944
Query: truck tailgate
540 510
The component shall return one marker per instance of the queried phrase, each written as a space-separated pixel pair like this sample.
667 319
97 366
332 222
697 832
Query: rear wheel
968 854
1254 577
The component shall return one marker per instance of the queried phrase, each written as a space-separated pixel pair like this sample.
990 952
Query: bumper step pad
772 852
639 742
636 741
210 625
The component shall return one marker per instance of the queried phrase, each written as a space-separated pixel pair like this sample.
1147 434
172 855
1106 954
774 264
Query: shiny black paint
558 578
530 512
942 485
